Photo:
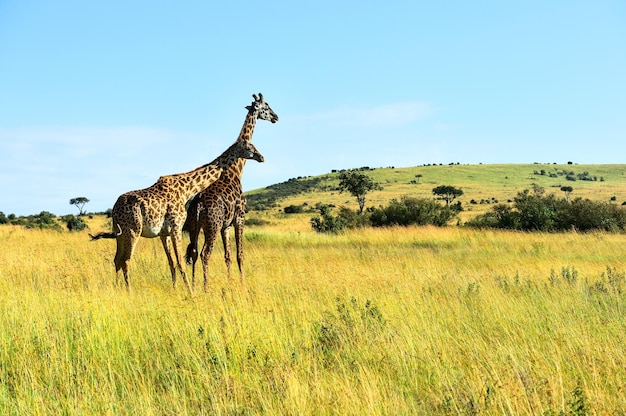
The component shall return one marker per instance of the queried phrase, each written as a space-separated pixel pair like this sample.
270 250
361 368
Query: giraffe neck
192 182
236 170
248 127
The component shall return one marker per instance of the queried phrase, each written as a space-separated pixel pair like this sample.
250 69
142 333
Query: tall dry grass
382 321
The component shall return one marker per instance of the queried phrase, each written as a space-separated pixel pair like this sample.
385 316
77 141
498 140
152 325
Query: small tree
447 193
358 185
74 223
418 176
568 190
80 203
327 223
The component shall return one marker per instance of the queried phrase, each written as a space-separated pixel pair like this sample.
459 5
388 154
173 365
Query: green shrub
293 209
42 220
345 219
536 212
410 210
326 222
74 223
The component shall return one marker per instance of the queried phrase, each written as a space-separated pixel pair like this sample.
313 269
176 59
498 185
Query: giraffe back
153 211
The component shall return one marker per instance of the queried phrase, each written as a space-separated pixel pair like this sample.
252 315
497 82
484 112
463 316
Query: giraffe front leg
170 261
191 255
177 238
239 243
226 242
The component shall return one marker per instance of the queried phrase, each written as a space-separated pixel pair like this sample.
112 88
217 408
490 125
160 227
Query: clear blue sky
102 97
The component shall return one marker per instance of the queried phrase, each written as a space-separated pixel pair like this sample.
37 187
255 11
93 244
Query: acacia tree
447 193
80 203
358 185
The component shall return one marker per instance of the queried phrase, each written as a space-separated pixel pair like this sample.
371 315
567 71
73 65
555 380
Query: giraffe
159 211
223 204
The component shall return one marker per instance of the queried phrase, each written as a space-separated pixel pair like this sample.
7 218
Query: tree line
531 210
47 220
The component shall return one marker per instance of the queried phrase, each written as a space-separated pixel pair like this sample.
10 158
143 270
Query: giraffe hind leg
210 236
125 248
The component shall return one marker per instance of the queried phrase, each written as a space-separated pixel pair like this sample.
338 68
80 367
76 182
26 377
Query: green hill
482 185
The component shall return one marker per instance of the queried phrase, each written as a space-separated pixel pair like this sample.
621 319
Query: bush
42 220
256 222
327 223
74 223
345 219
293 209
535 212
410 210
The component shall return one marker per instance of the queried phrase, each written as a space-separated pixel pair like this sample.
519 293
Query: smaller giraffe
159 211
223 204
213 211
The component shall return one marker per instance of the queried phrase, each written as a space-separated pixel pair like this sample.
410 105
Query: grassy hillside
484 184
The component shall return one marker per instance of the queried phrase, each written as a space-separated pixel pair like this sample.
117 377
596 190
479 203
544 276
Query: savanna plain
399 320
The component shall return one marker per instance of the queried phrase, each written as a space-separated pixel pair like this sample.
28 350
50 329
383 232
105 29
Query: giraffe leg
226 242
164 241
191 255
210 236
192 226
239 223
125 247
177 239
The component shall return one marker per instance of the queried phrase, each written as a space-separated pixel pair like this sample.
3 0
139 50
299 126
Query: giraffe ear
249 107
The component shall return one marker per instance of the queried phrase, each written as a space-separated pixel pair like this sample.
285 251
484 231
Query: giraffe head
262 109
248 151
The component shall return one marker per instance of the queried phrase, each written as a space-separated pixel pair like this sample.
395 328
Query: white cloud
42 167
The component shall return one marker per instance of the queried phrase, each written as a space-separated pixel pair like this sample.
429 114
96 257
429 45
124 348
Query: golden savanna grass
377 321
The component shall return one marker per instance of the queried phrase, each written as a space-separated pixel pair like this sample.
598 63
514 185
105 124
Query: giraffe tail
106 235
192 253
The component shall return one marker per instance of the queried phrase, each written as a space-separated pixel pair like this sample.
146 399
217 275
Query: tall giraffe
223 204
159 211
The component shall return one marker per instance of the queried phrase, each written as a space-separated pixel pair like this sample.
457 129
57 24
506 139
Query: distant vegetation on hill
488 198
270 196
483 184
491 196
45 220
